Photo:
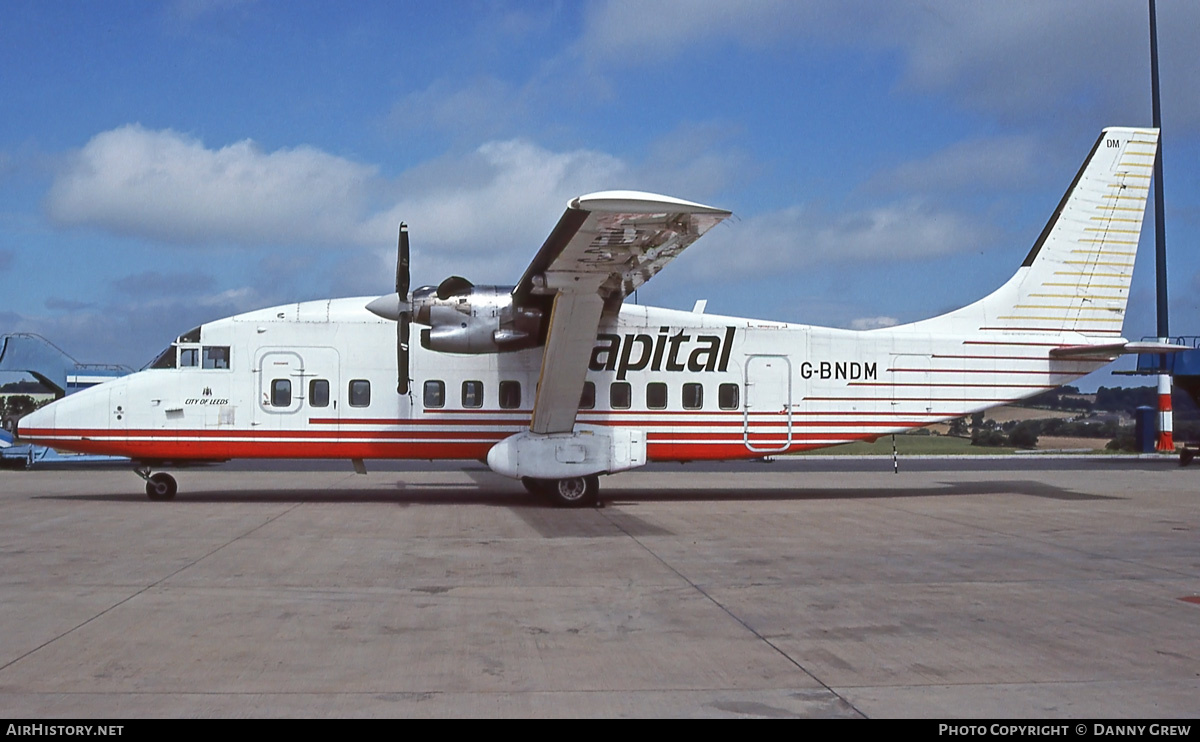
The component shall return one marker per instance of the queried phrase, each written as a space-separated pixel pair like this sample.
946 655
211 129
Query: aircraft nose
39 420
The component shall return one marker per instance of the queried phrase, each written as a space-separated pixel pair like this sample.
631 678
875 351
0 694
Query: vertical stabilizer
1076 278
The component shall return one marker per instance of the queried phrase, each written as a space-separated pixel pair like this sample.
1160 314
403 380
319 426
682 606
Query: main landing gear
572 492
160 486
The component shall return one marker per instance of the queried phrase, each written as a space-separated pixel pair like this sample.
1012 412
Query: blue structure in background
1184 367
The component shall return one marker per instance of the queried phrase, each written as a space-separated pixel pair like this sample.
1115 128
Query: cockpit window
192 356
166 359
191 336
216 356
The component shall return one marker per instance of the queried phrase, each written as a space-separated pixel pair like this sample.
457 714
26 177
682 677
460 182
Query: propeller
405 316
405 308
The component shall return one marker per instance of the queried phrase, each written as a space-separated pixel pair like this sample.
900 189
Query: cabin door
298 388
767 414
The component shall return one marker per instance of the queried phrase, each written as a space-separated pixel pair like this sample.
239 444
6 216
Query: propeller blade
402 278
405 314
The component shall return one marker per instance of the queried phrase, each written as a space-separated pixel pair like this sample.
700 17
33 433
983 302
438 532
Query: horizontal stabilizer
1117 349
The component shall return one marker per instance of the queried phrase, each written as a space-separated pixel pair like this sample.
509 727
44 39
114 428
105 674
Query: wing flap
625 237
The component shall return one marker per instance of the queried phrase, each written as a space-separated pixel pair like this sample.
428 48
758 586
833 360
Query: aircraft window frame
318 393
357 388
212 356
191 336
433 395
624 401
587 398
696 402
189 356
722 396
656 395
281 392
472 394
510 394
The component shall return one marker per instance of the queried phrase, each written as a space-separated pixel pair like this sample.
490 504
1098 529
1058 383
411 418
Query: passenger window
360 393
189 357
727 396
587 400
472 394
281 393
435 394
318 393
216 356
656 395
693 396
510 395
620 395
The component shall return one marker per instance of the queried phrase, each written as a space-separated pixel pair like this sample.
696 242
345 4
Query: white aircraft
556 380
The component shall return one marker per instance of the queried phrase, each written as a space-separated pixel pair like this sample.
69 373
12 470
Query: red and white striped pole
1166 439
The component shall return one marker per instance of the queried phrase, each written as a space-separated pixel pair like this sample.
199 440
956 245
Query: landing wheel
1186 455
573 492
161 486
535 487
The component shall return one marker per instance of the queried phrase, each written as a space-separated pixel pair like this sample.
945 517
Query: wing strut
573 323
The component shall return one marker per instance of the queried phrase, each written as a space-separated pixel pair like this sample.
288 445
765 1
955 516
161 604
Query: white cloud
634 31
968 167
169 187
803 235
484 106
1023 58
500 200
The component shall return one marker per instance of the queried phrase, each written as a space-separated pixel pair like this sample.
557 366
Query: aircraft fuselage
318 379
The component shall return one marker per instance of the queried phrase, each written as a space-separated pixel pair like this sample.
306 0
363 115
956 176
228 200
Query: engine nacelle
589 449
475 319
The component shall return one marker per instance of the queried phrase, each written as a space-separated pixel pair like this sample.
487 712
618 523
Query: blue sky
166 164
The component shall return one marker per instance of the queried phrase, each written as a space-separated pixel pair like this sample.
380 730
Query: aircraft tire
1186 455
161 486
535 487
574 492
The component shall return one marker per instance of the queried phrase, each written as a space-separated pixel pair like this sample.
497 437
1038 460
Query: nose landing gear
159 486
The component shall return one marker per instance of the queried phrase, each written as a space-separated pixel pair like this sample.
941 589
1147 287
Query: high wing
604 247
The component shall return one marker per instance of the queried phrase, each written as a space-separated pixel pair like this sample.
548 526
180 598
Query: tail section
1076 278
